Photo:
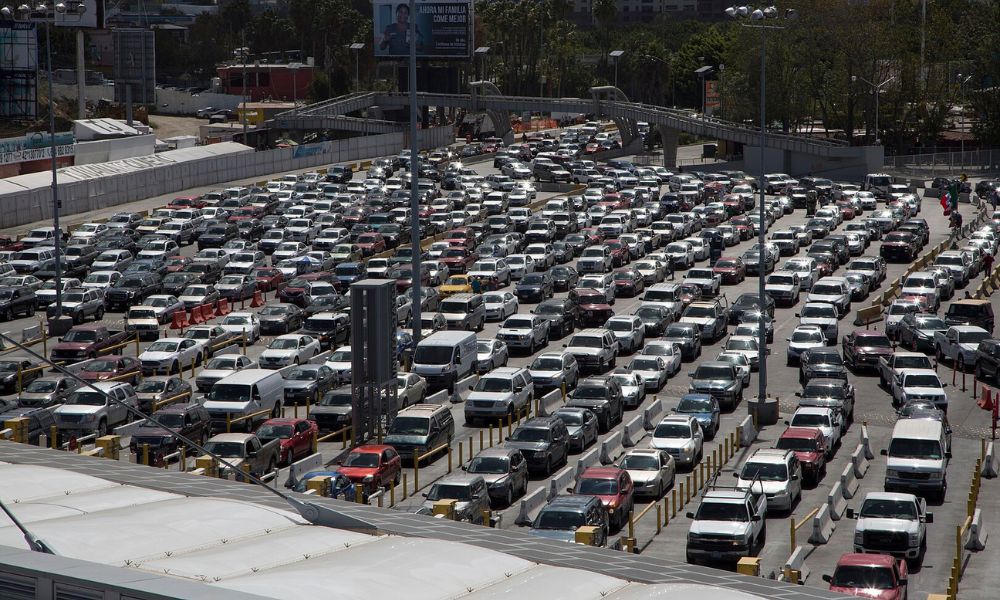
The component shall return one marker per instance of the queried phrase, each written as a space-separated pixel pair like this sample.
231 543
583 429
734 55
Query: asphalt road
873 406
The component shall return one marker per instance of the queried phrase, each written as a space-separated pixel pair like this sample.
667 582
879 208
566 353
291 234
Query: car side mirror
340 462
827 578
947 454
797 315
786 422
929 518
424 494
851 514
736 475
689 515
884 452
569 490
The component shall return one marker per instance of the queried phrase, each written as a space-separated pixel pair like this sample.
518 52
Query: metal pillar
414 175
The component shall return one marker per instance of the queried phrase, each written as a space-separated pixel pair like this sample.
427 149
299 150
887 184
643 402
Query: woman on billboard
396 36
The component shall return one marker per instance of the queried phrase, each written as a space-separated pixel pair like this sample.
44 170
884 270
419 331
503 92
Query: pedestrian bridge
793 153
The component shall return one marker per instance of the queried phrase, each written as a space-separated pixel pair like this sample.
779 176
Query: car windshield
645 364
764 471
926 381
283 344
590 392
547 363
694 405
225 449
810 420
660 296
151 386
819 390
640 462
808 336
863 577
672 430
361 459
722 511
86 398
713 372
827 289
492 465
889 509
735 344
700 312
874 341
302 375
530 434
934 323
915 448
972 337
597 487
902 308
403 425
494 385
819 312
41 386
432 355
336 398
797 444
781 279
101 366
533 279
561 520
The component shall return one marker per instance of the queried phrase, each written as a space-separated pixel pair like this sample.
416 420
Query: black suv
988 361
132 290
190 420
687 336
821 362
40 420
16 301
749 302
544 442
561 314
217 235
603 396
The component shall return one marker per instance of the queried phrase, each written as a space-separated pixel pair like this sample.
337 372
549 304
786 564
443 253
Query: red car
594 308
186 202
731 268
744 227
619 252
689 292
177 263
878 576
296 437
371 243
374 466
863 349
269 279
614 487
246 213
628 282
846 210
107 368
458 259
463 237
593 235
809 447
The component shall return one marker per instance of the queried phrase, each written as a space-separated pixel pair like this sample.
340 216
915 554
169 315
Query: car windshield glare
819 312
530 434
797 444
818 390
283 344
672 430
640 462
722 511
810 420
559 520
863 577
764 471
694 405
888 509
488 465
597 487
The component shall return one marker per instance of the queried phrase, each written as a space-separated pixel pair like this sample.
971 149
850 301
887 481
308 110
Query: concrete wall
162 177
99 151
170 102
851 165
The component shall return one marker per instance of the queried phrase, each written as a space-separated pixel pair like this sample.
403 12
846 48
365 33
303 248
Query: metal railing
230 421
934 164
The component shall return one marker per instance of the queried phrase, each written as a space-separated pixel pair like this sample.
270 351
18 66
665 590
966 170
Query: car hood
826 369
533 446
357 473
495 397
270 352
272 318
823 321
711 384
215 373
808 457
323 409
884 524
78 409
513 331
698 320
924 391
583 350
562 535
642 476
668 443
293 384
779 287
876 350
769 487
866 592
147 355
823 297
727 528
535 374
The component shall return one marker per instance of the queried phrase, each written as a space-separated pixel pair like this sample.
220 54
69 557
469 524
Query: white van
445 357
918 456
244 393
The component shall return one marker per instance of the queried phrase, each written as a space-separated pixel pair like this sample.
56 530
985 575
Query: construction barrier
560 481
977 533
529 506
822 526
652 414
634 431
612 448
129 430
313 462
747 432
207 311
547 404
868 315
180 320
586 461
462 387
848 482
794 570
859 462
837 501
989 466
197 318
866 442
439 397
258 300
224 308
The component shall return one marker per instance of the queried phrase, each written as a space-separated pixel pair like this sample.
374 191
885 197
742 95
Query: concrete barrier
437 397
989 469
29 334
977 532
560 481
837 501
586 461
866 442
464 386
313 462
612 448
548 403
859 461
822 526
651 415
748 433
797 562
230 349
529 506
127 431
634 431
848 482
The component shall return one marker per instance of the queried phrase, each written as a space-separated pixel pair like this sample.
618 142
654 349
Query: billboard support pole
414 175
81 77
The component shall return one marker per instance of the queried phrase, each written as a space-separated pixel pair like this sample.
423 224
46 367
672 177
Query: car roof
801 433
866 560
906 372
601 473
579 501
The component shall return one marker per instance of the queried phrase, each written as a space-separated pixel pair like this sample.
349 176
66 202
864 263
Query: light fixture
770 12
757 15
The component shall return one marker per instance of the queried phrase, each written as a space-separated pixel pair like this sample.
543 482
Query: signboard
444 28
18 71
135 65
713 100
35 146
92 17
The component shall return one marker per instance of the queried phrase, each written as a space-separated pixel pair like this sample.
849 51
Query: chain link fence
945 164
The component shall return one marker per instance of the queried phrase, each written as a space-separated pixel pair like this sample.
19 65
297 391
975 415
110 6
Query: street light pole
414 175
877 90
961 92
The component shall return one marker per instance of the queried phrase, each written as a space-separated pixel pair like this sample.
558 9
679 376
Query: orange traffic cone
257 301
986 400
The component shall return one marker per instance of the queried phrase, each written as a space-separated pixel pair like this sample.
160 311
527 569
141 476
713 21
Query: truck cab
728 525
893 524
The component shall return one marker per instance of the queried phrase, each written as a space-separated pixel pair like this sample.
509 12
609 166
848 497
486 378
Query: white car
827 420
783 287
628 331
652 471
500 305
170 355
340 362
653 370
101 280
804 337
219 367
708 280
681 436
919 384
243 323
544 255
520 265
161 249
491 354
807 270
824 315
604 283
528 332
739 361
747 346
289 349
681 254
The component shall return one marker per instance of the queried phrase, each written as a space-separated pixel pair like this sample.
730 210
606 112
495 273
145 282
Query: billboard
713 99
92 17
444 28
18 70
135 65
35 146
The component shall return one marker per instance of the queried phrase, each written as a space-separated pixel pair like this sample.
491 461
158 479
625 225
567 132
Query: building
285 82
636 11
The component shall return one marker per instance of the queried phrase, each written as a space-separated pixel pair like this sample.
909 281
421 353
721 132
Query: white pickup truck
892 524
958 345
890 366
728 525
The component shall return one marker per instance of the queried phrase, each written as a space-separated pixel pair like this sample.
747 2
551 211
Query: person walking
987 265
477 286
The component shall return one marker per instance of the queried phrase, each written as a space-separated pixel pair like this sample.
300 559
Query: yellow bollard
137 345
392 496
229 423
54 437
510 425
244 336
491 436
791 533
315 442
481 439
404 486
182 459
470 447
145 454
18 379
631 523
295 410
683 502
416 475
308 406
449 458
192 367
487 517
461 453
673 502
562 388
45 338
246 472
343 439
359 495
666 512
